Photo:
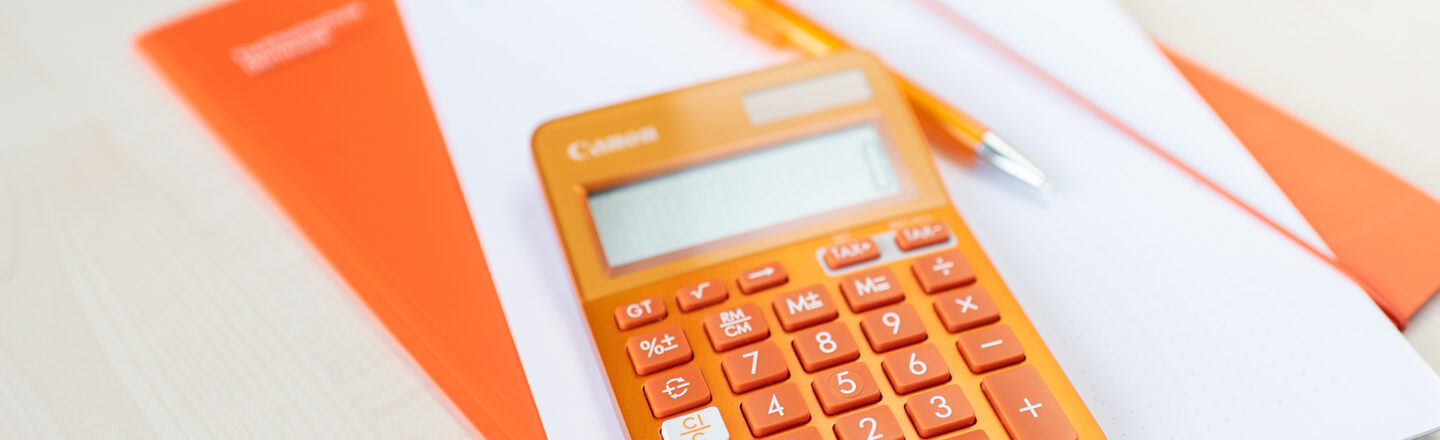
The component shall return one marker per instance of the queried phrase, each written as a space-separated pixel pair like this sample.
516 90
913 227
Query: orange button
921 235
915 368
939 411
806 433
825 346
676 391
754 367
761 278
845 388
774 409
989 348
639 313
805 307
966 308
701 295
658 350
735 327
870 289
1025 405
851 252
892 327
876 423
972 435
943 270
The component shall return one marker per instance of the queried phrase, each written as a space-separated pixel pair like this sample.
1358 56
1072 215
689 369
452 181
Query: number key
824 346
915 368
876 423
754 366
845 388
939 411
775 409
892 327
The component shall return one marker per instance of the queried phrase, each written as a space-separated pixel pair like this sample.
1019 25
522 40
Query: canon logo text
586 149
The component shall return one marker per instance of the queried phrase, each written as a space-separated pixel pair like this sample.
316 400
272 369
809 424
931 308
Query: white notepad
1174 313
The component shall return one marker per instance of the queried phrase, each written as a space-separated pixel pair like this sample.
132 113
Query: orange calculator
773 256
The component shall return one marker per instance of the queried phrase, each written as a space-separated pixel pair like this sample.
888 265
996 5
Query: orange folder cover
1383 230
322 101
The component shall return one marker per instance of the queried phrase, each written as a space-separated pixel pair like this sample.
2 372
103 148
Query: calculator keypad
775 404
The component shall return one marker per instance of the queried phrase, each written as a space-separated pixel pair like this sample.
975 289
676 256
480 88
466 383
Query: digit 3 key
774 256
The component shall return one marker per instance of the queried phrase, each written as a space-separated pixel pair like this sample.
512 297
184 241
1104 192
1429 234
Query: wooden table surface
148 288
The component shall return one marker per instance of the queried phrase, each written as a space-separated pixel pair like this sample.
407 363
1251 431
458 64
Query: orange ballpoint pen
779 25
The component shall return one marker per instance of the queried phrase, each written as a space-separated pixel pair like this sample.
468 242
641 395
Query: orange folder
1384 231
322 101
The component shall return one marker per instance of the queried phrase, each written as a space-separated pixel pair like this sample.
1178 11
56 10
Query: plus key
1025 405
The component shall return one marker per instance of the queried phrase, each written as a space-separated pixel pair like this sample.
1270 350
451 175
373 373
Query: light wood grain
149 289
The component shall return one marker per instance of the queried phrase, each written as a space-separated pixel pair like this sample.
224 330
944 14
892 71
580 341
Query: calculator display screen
744 193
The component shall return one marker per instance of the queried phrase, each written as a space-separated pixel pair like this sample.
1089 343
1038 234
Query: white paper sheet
1097 50
1175 314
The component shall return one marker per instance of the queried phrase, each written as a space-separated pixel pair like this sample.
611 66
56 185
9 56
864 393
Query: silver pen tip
998 153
